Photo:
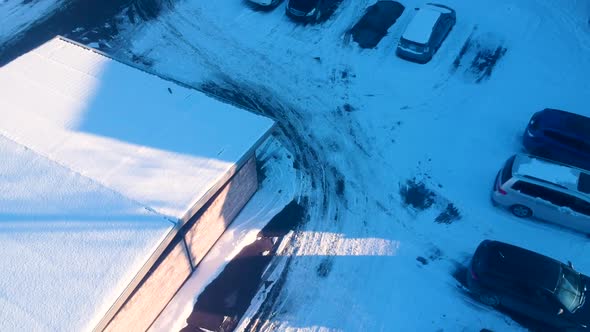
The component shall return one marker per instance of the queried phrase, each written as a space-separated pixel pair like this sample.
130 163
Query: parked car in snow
266 3
308 10
426 32
559 135
373 26
557 193
530 284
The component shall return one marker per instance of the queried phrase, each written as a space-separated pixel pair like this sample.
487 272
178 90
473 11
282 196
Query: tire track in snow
324 137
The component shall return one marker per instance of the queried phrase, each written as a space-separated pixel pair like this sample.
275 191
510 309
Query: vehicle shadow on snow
224 301
479 55
460 275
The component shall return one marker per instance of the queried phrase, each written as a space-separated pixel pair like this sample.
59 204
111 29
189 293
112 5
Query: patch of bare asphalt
416 195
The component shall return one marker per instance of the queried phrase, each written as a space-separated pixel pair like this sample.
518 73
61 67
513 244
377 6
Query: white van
534 187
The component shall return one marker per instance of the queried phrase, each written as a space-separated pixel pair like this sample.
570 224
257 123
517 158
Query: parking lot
396 160
372 133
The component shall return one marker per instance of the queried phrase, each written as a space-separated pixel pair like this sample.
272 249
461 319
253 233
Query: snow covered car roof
421 25
100 163
560 174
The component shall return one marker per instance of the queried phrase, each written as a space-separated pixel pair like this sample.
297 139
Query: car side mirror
569 263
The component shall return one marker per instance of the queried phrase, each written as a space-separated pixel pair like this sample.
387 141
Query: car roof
517 264
420 28
561 175
570 123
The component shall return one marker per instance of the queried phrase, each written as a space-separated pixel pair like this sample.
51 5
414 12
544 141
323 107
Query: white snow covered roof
68 245
564 175
100 162
421 25
149 139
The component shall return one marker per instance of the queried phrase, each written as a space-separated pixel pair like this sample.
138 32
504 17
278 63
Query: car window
567 140
547 194
569 291
581 206
527 188
584 183
507 170
437 30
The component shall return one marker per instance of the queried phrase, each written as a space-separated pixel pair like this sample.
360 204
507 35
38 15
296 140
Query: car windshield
411 45
303 3
570 292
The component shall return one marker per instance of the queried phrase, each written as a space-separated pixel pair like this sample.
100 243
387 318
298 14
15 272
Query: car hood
303 5
582 315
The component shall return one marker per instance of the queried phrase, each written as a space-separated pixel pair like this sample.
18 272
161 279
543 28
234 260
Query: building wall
185 252
203 230
155 291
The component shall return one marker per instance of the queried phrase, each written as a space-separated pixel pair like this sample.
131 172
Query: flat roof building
114 185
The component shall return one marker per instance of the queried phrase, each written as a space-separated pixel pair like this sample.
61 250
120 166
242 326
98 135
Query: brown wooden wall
155 291
204 230
185 252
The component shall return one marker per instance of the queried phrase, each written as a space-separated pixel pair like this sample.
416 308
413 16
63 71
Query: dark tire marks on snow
479 55
304 145
448 215
325 184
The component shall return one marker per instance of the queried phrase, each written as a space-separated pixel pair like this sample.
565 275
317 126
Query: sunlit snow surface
69 246
17 16
362 123
98 161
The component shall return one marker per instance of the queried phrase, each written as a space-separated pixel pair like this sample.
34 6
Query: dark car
426 32
530 284
308 10
559 135
373 26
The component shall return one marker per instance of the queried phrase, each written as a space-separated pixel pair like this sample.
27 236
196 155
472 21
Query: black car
530 284
373 26
308 10
560 136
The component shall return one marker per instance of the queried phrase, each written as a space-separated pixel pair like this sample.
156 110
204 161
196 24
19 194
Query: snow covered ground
371 132
363 122
17 16
65 239
276 190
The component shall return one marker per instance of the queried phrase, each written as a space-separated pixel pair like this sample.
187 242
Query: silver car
426 32
533 187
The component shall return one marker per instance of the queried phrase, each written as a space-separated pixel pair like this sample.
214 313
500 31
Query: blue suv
559 135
